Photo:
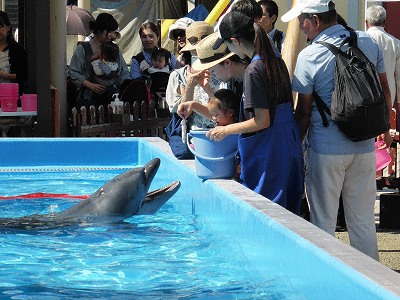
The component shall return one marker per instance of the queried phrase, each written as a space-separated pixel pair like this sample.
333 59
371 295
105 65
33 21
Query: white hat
308 7
180 24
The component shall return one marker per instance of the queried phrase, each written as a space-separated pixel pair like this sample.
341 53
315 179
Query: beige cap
209 57
195 33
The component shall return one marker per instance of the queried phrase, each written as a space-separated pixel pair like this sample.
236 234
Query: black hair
149 25
271 7
187 57
228 100
325 17
161 52
253 35
104 21
109 51
250 8
5 21
236 58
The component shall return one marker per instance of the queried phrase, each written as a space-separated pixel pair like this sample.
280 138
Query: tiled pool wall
332 268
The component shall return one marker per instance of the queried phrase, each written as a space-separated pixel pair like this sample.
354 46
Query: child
160 59
106 64
157 75
222 109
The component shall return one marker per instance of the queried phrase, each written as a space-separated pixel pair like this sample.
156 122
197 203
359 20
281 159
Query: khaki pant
327 176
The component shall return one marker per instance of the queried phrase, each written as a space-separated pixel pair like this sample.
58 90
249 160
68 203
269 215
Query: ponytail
274 71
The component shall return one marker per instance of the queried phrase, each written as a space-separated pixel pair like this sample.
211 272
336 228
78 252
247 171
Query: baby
160 59
105 67
222 109
106 64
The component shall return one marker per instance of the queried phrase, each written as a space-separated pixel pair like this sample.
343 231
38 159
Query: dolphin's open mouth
162 190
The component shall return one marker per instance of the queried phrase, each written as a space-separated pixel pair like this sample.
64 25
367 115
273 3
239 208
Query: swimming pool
236 245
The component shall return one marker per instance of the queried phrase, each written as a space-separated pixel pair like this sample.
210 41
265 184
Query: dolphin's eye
102 191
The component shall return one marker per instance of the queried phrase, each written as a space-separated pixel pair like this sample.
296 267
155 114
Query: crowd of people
234 81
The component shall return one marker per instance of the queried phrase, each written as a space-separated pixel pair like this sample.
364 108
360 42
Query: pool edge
363 264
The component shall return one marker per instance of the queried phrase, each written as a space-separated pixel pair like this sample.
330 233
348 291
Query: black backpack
358 103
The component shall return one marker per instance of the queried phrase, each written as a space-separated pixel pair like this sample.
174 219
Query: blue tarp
199 13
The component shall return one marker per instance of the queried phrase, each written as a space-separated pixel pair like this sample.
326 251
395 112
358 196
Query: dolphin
120 198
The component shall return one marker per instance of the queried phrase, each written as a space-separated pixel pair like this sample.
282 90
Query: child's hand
218 133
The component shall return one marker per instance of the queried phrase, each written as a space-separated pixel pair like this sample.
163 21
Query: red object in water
43 195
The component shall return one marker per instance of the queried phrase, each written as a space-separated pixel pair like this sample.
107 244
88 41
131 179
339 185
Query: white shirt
390 47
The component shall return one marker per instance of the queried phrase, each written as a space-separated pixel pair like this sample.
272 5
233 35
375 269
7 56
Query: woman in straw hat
269 137
193 85
225 65
221 63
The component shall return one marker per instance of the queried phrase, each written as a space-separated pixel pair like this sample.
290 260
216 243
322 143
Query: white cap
181 23
308 7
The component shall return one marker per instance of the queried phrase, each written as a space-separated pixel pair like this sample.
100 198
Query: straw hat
195 33
180 24
209 57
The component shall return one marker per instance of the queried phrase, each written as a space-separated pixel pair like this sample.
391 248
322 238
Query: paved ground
388 243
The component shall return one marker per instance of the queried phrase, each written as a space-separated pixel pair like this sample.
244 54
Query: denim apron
272 159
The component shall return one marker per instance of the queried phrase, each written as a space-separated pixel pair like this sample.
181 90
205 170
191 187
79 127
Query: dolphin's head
119 198
127 192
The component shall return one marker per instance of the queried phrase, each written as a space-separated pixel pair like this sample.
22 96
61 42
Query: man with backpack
335 163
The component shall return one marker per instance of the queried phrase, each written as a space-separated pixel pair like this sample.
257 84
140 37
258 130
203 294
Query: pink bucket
9 89
383 157
29 102
9 104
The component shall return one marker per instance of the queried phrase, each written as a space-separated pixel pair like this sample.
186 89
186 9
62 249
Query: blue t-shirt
315 71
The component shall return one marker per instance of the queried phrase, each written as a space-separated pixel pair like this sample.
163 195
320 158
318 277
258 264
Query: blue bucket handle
204 157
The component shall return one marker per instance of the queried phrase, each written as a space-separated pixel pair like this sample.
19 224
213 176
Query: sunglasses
194 39
178 33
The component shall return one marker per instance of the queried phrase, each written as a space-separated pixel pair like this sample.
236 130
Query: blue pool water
168 254
205 243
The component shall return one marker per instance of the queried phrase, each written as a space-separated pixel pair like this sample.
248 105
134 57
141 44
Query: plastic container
8 104
117 105
29 102
8 88
383 157
213 159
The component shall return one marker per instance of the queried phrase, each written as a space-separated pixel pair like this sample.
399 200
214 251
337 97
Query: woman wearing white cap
177 32
269 141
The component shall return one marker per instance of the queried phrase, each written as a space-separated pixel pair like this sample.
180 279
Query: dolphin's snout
151 168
